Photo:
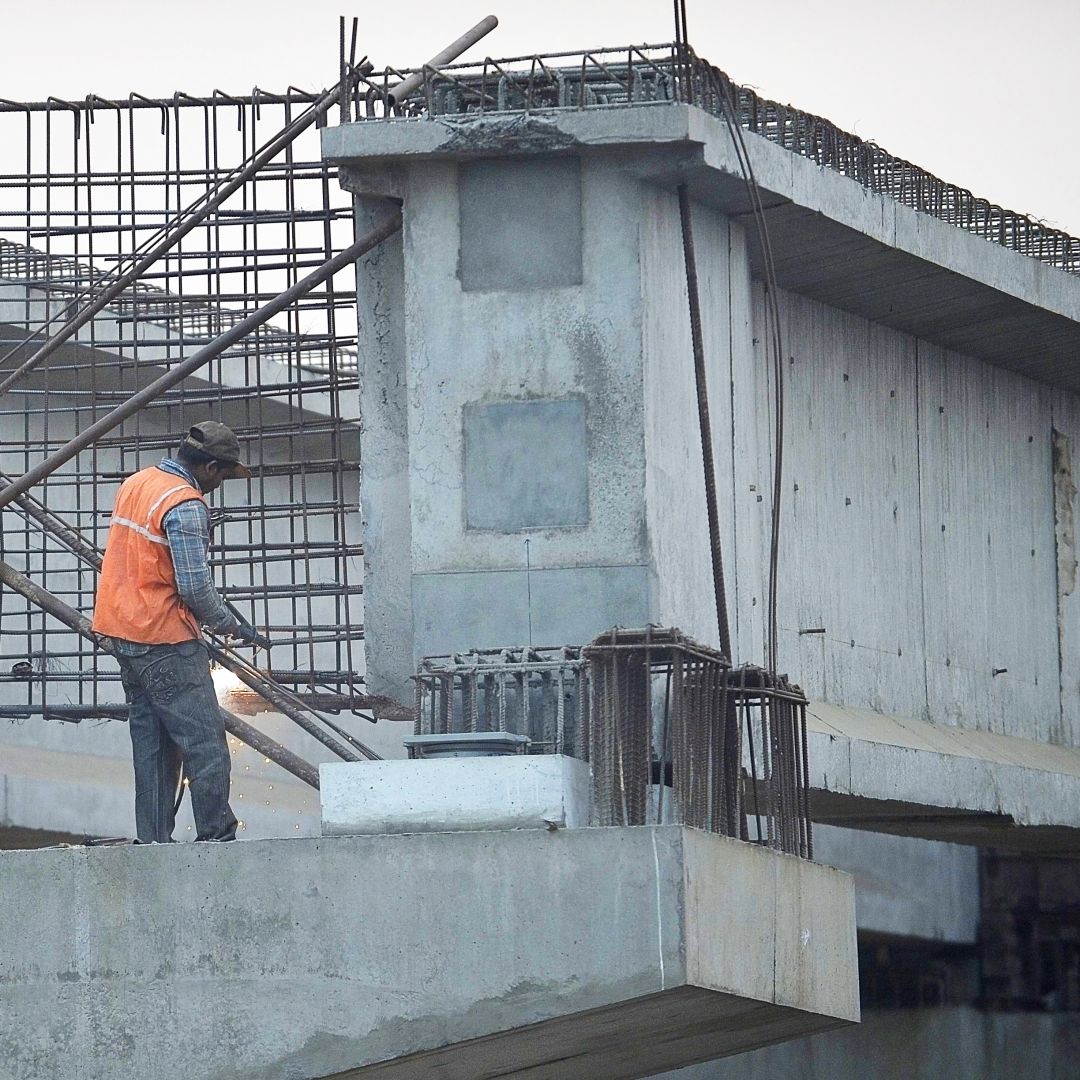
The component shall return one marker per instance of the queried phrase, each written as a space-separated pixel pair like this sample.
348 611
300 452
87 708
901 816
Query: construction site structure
629 349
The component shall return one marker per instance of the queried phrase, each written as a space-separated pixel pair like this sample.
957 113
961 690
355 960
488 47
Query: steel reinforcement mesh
644 75
85 184
671 732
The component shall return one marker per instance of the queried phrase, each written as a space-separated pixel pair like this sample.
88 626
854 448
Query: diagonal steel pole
200 211
447 56
287 703
199 359
183 225
54 606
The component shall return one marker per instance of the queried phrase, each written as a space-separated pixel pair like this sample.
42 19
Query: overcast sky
980 92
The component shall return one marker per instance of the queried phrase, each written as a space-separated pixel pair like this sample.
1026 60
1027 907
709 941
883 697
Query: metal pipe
447 56
184 225
281 699
198 359
78 622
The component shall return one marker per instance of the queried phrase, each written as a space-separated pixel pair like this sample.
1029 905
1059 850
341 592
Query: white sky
980 92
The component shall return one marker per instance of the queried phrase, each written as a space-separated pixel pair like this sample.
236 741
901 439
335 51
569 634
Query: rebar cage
671 731
83 186
658 74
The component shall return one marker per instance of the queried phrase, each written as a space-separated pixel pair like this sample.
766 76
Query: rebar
95 179
78 623
659 74
684 766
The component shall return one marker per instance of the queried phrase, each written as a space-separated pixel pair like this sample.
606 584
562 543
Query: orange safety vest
137 598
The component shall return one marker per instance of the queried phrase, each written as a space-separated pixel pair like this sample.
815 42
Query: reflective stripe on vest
137 598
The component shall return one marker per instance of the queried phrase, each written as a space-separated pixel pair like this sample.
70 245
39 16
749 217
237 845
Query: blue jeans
174 718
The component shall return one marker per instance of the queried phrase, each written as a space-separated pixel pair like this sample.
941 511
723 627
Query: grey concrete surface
906 887
453 794
491 609
525 465
928 465
918 545
950 1043
467 354
384 449
483 951
830 236
520 224
972 787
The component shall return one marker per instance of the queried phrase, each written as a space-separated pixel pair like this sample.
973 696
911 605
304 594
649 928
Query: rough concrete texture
906 887
919 563
932 462
490 952
513 792
920 779
828 233
525 465
916 1044
520 224
516 353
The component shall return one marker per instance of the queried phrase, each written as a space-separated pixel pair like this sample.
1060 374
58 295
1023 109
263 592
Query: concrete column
531 471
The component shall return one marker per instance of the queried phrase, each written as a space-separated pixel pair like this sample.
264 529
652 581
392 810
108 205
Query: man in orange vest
154 593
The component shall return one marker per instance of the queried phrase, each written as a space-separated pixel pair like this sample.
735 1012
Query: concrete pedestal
452 794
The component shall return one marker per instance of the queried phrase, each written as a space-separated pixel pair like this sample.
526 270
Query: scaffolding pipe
199 359
78 622
447 56
184 225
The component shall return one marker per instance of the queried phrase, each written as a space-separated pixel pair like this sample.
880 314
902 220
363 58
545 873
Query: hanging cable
773 345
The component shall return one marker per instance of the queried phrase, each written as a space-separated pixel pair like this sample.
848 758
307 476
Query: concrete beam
595 953
832 239
909 777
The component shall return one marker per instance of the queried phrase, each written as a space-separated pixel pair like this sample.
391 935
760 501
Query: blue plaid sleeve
187 528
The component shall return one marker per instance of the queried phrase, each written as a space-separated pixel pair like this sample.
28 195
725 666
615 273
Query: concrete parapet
615 952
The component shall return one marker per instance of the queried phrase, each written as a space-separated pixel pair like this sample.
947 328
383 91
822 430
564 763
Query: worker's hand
247 633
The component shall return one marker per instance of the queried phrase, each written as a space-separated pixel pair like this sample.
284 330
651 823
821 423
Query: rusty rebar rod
199 359
704 423
80 624
287 703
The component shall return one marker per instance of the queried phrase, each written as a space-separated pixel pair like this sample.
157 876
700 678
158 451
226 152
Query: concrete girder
832 239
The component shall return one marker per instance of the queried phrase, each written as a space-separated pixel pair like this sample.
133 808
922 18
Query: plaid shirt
187 528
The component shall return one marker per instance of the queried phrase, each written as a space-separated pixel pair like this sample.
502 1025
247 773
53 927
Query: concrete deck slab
832 239
585 952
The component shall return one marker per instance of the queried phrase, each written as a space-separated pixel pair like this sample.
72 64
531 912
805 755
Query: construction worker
154 593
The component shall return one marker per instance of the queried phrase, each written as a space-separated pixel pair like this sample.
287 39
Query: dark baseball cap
219 442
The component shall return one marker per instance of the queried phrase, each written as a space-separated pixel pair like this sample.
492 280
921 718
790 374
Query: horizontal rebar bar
181 227
275 695
254 738
203 356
